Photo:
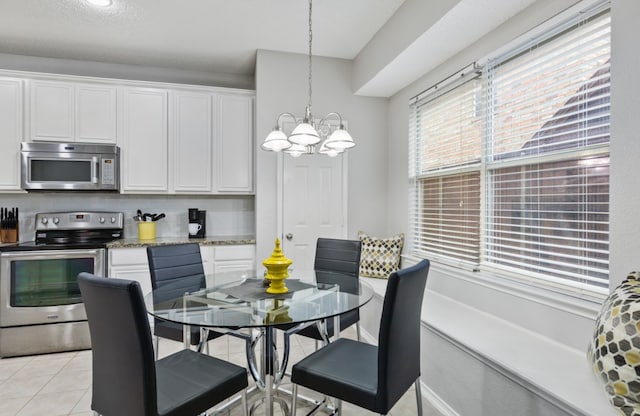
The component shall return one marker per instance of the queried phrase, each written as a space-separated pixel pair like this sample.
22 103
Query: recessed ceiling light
101 3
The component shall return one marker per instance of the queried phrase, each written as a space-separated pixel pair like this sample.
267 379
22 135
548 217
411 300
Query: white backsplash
226 216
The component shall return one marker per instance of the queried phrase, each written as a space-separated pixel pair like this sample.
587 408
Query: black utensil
157 217
139 213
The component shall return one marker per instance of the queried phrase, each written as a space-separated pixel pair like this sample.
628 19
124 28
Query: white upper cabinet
11 132
234 144
144 141
211 142
173 139
191 142
96 120
72 112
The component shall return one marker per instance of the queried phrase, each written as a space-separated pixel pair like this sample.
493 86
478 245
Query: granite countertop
226 240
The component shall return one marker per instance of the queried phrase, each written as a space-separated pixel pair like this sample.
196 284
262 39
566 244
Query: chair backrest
399 338
338 255
124 373
175 269
343 256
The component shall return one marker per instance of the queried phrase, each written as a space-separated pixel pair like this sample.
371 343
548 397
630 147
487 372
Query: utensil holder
146 230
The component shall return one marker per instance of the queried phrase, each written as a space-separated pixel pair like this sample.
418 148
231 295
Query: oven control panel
85 220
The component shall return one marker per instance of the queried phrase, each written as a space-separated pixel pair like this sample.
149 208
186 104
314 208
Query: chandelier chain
310 42
309 136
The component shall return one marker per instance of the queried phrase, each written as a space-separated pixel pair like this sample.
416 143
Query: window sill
553 371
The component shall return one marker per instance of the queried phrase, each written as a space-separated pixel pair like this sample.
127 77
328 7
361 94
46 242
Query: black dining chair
343 256
126 378
176 269
371 377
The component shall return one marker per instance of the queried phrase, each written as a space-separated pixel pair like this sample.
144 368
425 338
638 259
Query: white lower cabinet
234 258
132 264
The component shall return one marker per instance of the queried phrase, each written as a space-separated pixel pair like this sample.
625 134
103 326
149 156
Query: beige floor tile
59 356
80 362
9 407
22 387
41 366
9 366
52 404
84 404
68 380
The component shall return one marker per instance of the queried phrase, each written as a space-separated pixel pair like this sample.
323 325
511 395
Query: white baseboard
435 401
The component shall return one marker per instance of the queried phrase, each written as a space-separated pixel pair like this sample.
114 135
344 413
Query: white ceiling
222 36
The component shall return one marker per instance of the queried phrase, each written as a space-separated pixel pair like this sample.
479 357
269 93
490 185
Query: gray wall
625 146
281 86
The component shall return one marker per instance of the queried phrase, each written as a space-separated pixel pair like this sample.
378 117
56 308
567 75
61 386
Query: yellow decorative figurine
277 270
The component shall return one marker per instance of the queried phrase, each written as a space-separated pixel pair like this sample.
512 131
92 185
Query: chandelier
309 136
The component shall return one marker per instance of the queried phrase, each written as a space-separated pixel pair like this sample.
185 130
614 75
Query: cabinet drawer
128 256
235 252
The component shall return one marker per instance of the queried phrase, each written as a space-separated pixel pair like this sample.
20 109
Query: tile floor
60 384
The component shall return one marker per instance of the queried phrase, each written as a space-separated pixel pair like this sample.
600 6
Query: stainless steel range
41 310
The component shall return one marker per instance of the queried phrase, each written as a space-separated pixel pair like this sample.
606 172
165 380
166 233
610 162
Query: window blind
449 129
547 157
509 171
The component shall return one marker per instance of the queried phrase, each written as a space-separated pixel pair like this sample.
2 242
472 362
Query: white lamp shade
324 150
339 140
276 141
304 134
296 150
101 3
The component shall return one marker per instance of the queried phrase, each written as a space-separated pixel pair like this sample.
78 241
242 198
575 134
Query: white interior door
314 205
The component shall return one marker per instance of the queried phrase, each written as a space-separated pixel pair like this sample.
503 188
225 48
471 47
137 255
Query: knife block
9 235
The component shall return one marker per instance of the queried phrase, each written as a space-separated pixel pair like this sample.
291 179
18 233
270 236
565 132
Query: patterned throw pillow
614 350
380 256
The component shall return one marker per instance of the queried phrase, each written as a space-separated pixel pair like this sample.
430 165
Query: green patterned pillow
380 256
614 350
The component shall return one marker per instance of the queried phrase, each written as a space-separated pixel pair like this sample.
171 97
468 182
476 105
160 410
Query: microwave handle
94 169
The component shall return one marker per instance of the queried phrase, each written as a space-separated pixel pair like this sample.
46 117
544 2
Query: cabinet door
191 141
96 113
52 111
144 140
234 149
234 258
132 264
11 91
208 254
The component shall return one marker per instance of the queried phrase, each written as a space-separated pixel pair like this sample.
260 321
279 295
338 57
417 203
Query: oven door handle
94 169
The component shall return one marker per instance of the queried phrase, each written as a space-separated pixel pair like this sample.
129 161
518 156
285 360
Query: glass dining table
236 303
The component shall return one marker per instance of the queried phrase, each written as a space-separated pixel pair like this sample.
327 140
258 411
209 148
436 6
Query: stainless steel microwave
70 166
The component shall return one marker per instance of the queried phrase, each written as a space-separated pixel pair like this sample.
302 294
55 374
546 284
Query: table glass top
239 299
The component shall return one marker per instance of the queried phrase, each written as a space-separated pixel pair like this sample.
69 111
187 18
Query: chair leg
358 331
244 403
204 343
419 396
157 346
294 398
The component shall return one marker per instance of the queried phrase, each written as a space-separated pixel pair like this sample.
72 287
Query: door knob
289 236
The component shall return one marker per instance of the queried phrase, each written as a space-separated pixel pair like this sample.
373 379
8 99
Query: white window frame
583 290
